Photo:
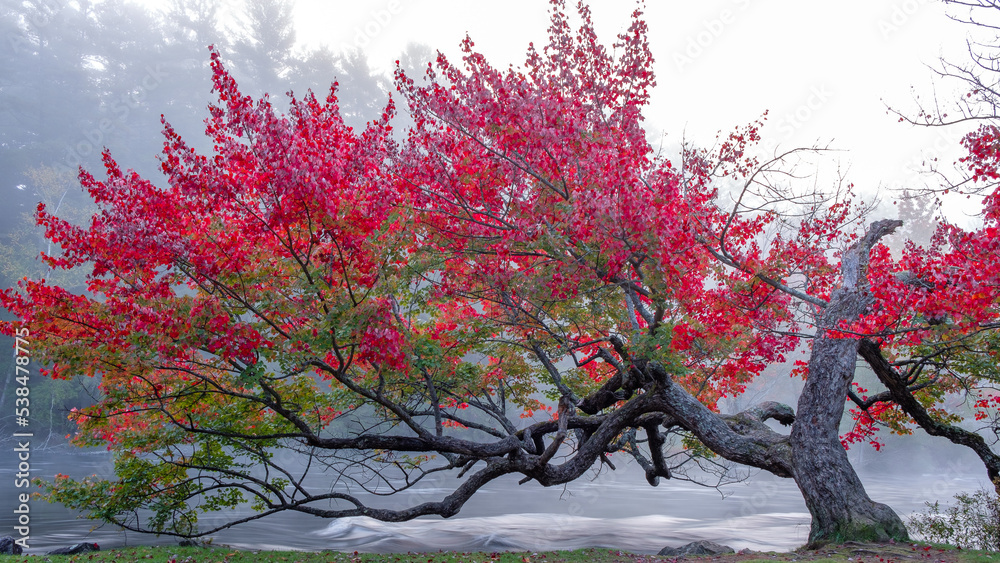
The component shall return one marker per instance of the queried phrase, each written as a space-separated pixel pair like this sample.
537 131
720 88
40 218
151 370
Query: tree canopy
517 284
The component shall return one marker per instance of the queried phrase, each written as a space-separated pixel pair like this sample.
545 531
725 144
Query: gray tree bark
841 509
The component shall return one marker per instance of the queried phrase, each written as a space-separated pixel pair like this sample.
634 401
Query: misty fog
80 76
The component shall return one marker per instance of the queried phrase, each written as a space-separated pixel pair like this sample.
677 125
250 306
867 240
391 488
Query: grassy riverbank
851 553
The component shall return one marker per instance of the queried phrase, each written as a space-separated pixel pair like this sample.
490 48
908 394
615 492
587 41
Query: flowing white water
538 532
617 510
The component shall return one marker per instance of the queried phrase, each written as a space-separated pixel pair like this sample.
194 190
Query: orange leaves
535 405
453 403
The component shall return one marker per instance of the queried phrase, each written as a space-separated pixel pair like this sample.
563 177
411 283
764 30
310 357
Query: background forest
76 77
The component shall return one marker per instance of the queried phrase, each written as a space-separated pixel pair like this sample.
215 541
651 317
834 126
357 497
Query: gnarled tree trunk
840 508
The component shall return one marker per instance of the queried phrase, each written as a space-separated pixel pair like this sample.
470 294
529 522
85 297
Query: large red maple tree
518 286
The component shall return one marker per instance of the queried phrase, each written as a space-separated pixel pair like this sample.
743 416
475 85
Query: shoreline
208 553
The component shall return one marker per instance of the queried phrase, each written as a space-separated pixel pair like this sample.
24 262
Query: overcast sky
825 71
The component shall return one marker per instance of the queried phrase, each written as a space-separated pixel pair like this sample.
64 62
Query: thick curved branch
656 443
896 384
742 438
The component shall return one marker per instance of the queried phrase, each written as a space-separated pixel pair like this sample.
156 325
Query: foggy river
617 510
